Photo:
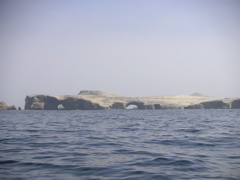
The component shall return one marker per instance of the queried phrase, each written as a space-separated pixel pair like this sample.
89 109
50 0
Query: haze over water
132 48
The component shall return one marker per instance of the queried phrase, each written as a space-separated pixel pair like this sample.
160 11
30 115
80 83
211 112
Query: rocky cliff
98 100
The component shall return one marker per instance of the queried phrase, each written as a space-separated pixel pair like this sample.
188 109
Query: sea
120 144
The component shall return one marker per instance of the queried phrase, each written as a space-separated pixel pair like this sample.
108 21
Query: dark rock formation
51 103
12 107
157 106
195 106
28 102
236 104
213 105
81 104
210 105
118 105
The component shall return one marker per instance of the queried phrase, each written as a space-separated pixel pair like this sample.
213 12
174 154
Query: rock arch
51 103
140 105
61 107
131 106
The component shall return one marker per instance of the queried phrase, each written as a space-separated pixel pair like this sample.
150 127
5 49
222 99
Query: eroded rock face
157 106
118 105
98 100
213 105
41 102
210 105
195 106
80 104
149 106
12 107
29 102
3 106
236 104
37 106
51 103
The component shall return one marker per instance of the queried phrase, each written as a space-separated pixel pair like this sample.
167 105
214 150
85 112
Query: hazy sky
129 47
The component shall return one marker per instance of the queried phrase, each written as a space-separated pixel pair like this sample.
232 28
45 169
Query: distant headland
98 100
4 106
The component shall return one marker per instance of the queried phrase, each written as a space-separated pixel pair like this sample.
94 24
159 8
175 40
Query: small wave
160 177
161 161
201 156
193 169
189 130
124 151
234 157
33 165
8 162
168 161
181 163
204 144
164 142
42 157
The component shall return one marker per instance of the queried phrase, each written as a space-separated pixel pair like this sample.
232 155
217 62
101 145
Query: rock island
98 100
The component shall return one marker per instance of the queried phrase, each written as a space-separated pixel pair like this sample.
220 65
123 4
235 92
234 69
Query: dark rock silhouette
236 104
12 107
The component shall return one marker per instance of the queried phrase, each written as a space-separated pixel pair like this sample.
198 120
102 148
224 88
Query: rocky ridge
98 100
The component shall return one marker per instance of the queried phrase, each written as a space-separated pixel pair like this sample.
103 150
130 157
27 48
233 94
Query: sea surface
120 144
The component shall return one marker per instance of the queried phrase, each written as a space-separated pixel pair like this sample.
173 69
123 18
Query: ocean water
120 144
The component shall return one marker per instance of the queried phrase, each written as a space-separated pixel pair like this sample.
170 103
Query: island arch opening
60 107
132 107
139 105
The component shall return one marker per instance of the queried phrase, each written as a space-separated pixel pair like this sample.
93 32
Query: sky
128 47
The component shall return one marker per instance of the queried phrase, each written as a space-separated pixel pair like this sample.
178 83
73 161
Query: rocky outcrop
218 104
3 106
98 100
12 107
213 105
83 104
235 104
48 102
195 106
118 105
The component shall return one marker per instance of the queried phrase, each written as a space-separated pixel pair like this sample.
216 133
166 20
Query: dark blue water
120 144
